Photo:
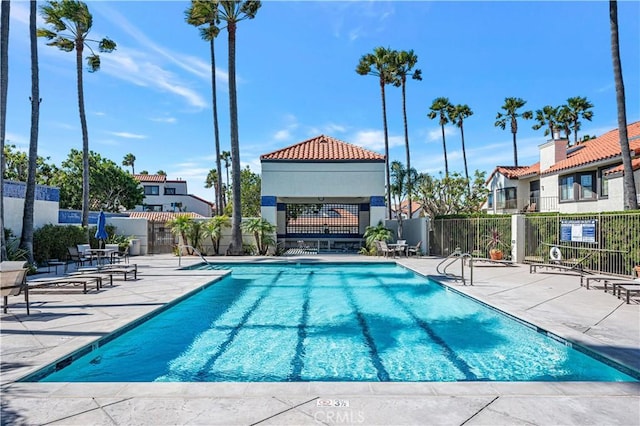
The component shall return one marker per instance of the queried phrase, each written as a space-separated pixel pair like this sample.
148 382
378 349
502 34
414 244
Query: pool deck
64 319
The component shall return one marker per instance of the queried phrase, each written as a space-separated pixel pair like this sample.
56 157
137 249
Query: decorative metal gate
161 240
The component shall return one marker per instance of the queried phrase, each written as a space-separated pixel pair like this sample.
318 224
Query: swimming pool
329 322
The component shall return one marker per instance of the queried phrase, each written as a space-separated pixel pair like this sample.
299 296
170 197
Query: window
151 190
566 188
603 183
490 200
152 207
169 191
323 219
587 186
507 198
578 186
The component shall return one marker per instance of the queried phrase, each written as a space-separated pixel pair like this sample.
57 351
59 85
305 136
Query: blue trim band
377 201
268 201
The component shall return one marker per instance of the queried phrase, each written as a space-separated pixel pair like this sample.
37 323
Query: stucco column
268 209
517 237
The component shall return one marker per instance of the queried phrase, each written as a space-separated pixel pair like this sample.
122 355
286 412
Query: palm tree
442 108
213 229
547 116
458 114
5 9
26 238
213 181
181 227
226 157
262 231
129 160
205 13
379 64
511 114
631 197
400 177
564 121
403 64
578 107
233 12
70 23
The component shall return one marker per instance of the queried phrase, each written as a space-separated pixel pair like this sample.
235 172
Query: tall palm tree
403 64
511 114
630 195
442 108
564 120
204 14
547 116
232 12
129 160
379 64
5 9
26 237
578 107
70 23
458 115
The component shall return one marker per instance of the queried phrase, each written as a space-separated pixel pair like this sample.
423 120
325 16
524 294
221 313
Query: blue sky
296 79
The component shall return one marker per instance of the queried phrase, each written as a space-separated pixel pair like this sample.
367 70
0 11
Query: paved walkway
62 321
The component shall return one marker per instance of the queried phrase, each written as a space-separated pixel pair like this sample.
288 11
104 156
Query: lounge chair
71 279
125 270
627 288
12 283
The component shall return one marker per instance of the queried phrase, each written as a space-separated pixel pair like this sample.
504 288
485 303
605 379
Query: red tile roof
323 148
515 172
150 178
604 147
163 216
635 165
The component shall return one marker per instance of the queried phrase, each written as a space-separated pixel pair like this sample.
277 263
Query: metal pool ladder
195 251
454 257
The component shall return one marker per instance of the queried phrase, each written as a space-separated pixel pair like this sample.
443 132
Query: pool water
331 322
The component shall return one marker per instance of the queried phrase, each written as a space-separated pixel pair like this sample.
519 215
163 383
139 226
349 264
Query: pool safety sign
581 231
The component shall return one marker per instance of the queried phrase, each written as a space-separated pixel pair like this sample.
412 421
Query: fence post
517 238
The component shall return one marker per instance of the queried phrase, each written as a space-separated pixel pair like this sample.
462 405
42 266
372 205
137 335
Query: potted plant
495 245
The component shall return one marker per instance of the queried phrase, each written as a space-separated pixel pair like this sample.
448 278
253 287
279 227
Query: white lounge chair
12 283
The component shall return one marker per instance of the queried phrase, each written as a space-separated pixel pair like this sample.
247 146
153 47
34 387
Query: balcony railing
539 204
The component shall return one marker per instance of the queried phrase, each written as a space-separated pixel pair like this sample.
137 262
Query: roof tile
163 216
150 178
323 148
601 148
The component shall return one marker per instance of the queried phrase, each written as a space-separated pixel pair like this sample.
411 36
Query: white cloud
374 140
282 135
127 135
436 134
169 120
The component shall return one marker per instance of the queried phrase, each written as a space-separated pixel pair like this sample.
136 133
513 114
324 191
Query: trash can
134 247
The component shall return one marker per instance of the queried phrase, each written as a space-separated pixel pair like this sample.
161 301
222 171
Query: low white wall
134 228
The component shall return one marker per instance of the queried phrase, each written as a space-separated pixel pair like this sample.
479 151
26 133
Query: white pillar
517 238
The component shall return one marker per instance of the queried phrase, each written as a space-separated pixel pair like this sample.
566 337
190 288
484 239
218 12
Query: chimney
553 151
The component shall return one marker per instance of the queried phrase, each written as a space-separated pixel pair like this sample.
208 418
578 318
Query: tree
402 67
213 181
458 115
226 157
442 108
511 114
547 116
379 64
250 193
129 160
577 108
111 187
4 85
630 195
376 233
213 229
17 167
181 226
262 231
400 178
161 173
564 121
204 14
232 12
26 239
448 195
70 23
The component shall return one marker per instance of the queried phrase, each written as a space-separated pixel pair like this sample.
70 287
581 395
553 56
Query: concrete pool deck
63 320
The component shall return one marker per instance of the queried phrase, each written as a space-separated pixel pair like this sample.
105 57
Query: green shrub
52 241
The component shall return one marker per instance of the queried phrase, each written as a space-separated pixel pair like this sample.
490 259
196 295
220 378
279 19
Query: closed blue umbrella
101 232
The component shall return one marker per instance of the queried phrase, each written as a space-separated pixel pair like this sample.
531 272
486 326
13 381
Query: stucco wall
45 210
323 179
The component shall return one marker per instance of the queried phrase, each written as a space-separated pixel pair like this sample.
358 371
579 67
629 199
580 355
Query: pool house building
322 193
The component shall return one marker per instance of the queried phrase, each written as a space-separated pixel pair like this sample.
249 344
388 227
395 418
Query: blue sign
582 231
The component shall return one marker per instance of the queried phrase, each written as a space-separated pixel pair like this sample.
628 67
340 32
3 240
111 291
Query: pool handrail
195 251
453 258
